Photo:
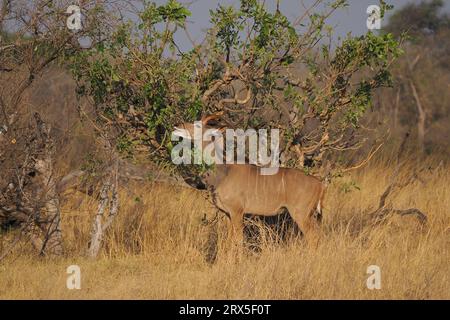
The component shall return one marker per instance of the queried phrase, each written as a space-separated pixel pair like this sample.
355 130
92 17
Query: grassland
154 250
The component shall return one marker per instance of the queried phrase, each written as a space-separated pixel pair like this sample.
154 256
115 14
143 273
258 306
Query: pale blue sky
351 19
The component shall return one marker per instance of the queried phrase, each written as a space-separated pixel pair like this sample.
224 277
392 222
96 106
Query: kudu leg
309 225
236 228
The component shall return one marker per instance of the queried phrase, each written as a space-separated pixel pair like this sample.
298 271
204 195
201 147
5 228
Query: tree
419 20
421 74
34 36
255 67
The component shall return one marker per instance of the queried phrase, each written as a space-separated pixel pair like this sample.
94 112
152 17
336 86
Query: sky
351 19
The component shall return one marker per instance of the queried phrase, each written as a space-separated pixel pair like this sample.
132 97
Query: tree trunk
99 227
396 106
421 118
53 238
52 243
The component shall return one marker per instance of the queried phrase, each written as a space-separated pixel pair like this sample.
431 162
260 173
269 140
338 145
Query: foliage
419 102
258 67
419 19
34 37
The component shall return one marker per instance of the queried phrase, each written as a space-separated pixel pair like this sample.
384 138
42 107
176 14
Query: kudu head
187 131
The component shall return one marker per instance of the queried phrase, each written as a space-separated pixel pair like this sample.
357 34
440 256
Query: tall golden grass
155 250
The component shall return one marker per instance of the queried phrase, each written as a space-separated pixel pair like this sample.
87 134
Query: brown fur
241 189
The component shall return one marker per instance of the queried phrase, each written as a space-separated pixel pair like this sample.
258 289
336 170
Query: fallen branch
383 209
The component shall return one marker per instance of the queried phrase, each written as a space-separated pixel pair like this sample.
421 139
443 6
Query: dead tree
384 209
29 198
108 202
45 168
34 36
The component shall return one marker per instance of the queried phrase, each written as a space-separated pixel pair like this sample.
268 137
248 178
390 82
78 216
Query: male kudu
239 189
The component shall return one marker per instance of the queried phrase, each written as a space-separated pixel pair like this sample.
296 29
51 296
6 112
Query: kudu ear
326 173
206 119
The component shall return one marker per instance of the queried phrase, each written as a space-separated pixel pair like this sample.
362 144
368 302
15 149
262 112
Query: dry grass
155 249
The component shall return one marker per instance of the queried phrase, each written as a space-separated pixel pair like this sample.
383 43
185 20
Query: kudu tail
319 206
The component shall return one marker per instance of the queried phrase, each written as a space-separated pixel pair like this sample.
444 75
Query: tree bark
99 227
52 243
396 106
421 118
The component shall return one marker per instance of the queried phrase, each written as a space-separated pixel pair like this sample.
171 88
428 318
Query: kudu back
239 189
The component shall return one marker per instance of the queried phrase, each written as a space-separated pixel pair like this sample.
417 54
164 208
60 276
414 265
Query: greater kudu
239 189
